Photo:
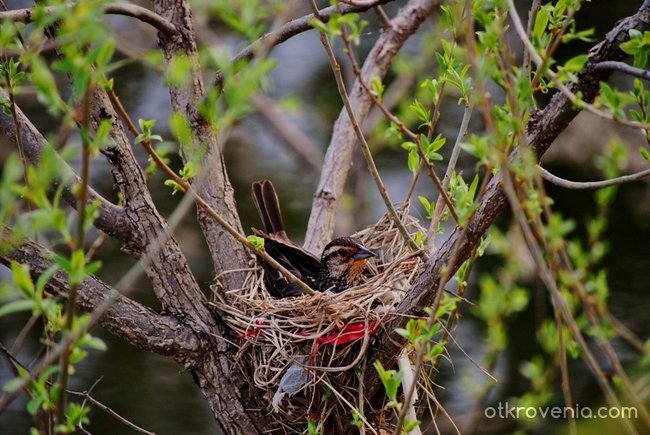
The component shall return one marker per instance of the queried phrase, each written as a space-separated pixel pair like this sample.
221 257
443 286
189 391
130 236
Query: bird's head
343 260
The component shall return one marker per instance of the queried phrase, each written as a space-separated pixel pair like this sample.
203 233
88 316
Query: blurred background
156 394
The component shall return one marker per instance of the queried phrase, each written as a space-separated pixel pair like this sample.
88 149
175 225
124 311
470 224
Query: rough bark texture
338 158
139 325
172 280
213 183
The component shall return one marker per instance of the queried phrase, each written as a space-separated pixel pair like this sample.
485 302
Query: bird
339 267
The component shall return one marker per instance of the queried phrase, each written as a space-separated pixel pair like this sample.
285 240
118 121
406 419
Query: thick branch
125 318
339 153
216 373
171 278
212 183
111 219
543 129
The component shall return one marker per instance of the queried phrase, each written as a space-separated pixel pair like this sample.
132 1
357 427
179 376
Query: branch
232 404
172 281
81 394
586 185
543 129
111 219
130 10
125 318
365 149
624 68
212 182
293 28
339 152
581 103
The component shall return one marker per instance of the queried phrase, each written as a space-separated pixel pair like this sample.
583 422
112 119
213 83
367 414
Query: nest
302 352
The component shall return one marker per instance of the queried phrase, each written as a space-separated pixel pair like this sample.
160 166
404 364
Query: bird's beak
363 253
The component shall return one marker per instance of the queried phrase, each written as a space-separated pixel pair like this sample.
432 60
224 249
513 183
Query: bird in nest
340 266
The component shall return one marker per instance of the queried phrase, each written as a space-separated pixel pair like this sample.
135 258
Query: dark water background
156 394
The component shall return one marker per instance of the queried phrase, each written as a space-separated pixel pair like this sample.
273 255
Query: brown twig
187 187
612 65
372 168
130 10
406 131
586 185
291 29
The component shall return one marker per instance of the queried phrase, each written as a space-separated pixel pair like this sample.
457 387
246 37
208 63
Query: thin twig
564 371
187 187
575 100
130 10
97 404
372 168
612 65
534 9
451 167
361 3
291 29
586 185
411 135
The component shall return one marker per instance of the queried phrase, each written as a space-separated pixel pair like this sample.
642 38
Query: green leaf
413 162
17 306
257 242
377 87
541 21
319 25
175 186
13 385
390 378
409 146
91 342
21 278
77 271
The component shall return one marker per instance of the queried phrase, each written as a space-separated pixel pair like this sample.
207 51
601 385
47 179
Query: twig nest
303 351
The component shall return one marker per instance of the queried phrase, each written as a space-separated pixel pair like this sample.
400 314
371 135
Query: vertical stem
79 244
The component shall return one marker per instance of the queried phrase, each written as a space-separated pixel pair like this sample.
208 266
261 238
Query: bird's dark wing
295 259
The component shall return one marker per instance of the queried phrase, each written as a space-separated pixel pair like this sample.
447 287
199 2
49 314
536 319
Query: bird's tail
268 206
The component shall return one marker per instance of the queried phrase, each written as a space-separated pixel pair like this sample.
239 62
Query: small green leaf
256 241
23 281
413 162
645 154
175 186
17 307
319 25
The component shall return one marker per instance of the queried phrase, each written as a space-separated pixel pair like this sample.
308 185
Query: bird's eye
342 252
